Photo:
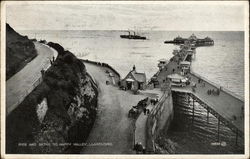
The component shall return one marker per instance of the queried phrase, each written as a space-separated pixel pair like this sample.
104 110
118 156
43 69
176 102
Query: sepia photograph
136 78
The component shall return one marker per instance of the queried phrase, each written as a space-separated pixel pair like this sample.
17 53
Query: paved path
112 131
141 125
22 83
141 122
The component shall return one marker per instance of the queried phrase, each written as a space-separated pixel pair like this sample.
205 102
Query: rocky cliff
19 51
58 115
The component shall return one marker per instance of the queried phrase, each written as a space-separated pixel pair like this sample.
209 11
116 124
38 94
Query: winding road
23 82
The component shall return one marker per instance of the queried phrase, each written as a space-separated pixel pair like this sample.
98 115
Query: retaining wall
38 80
160 117
103 65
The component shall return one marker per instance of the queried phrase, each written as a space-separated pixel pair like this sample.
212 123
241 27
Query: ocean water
222 63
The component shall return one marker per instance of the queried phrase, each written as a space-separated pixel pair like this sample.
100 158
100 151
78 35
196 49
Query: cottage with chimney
134 80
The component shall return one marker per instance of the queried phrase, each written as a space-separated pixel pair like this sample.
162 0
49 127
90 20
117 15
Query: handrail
218 86
102 64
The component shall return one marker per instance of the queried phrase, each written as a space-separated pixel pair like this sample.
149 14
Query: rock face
19 51
58 114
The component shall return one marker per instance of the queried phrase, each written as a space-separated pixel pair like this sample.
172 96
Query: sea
222 64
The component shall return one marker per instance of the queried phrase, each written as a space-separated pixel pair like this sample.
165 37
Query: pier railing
217 86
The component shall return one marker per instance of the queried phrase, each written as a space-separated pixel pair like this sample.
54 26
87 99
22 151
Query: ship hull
133 37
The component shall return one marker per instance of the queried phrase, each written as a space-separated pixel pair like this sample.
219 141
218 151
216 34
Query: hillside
19 51
59 113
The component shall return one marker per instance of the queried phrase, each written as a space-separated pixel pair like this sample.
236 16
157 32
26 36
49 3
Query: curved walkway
24 81
112 132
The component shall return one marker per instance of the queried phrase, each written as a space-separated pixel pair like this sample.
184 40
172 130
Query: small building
175 51
134 80
162 63
177 80
192 38
185 67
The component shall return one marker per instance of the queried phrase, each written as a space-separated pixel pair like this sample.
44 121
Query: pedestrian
140 147
193 89
209 92
213 91
136 147
218 92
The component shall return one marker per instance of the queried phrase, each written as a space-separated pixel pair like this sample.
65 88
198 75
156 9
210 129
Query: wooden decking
225 104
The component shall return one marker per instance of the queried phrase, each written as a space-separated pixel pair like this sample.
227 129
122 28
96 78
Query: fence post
193 112
236 140
207 114
218 135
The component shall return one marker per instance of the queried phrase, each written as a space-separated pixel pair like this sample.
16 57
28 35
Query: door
129 85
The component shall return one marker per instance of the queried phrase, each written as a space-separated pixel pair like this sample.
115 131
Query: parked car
133 112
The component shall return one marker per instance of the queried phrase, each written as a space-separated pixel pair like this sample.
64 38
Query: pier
226 106
193 39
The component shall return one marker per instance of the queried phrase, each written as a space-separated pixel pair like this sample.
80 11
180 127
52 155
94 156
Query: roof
175 76
129 80
162 60
185 63
140 77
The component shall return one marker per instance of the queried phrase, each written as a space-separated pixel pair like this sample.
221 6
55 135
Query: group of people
213 92
154 101
139 148
201 82
146 111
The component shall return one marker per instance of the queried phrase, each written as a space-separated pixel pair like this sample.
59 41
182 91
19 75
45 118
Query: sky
142 16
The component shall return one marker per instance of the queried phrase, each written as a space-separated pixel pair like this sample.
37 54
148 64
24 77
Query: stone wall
159 118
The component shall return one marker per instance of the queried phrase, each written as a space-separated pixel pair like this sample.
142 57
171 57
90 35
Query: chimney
134 68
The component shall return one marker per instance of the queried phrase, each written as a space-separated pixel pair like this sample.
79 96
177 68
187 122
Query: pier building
134 80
